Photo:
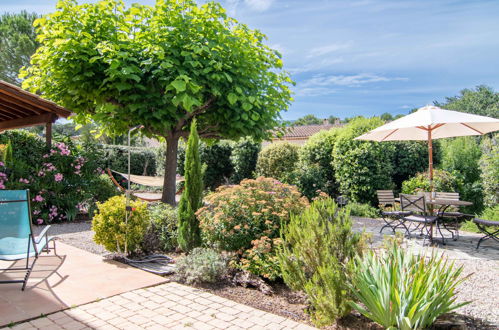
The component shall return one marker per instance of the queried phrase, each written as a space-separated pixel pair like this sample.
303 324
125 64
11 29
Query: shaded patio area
72 278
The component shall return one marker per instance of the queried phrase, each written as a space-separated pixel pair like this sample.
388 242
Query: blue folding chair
17 241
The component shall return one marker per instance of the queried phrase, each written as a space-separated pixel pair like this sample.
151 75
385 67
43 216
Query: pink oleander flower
39 221
2 185
36 212
2 164
58 177
46 156
38 198
41 173
23 180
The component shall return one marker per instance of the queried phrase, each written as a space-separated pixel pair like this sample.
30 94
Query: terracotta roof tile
306 130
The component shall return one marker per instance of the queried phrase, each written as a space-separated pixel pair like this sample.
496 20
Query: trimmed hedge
142 160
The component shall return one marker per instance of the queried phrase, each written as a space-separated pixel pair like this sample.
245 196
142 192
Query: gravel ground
78 234
481 288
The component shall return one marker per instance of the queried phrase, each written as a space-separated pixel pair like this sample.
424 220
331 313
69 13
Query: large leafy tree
160 67
482 100
17 44
308 120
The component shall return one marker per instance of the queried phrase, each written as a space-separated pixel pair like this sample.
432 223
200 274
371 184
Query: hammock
150 181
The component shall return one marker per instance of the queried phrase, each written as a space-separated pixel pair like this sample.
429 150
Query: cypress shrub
189 233
317 257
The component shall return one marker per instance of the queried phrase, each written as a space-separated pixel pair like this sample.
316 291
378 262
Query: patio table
443 205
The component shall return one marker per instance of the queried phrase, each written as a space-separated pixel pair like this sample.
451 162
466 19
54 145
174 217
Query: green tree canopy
482 100
17 44
161 67
307 120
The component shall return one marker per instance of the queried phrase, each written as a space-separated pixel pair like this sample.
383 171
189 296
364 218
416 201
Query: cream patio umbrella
429 123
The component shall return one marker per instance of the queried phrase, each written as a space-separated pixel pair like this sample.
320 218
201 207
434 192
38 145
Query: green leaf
179 85
247 106
232 98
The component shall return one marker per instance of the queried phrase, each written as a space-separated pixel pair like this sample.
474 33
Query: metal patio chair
393 218
420 216
450 220
489 228
17 241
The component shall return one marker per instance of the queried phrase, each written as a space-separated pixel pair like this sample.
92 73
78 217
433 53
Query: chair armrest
42 234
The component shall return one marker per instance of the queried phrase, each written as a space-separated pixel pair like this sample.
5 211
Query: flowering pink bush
62 181
247 218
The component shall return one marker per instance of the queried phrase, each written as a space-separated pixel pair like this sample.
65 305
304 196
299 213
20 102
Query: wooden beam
34 100
20 104
27 121
13 109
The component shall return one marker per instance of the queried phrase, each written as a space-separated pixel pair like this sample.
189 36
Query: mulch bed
292 305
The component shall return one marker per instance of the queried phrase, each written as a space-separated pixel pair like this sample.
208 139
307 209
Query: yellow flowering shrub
247 219
110 227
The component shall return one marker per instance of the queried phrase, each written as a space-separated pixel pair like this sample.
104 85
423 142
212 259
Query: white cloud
259 5
314 91
405 107
348 80
323 50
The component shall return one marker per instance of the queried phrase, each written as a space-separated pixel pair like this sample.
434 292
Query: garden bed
480 287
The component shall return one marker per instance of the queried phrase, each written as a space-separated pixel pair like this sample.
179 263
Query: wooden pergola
20 108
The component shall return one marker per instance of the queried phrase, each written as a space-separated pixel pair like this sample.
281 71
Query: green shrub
189 234
218 164
243 158
461 156
161 234
113 232
317 257
491 213
142 160
362 167
278 160
362 210
64 180
247 218
442 181
216 158
201 265
311 180
316 157
489 165
410 158
400 290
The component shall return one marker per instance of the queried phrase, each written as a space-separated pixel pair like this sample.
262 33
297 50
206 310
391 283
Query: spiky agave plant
400 290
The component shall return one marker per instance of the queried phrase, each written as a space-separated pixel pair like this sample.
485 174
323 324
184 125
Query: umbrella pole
430 158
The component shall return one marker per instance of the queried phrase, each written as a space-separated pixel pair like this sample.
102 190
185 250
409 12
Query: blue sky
366 57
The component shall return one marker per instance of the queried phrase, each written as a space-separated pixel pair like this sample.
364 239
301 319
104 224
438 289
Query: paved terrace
166 306
81 290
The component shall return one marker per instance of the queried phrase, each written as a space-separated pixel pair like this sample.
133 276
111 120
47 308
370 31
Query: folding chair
417 204
493 226
17 241
392 219
450 220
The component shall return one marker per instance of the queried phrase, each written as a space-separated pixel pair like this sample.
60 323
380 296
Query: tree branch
114 101
190 115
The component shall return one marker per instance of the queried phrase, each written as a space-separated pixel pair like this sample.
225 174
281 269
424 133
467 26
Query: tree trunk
169 184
